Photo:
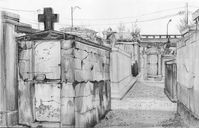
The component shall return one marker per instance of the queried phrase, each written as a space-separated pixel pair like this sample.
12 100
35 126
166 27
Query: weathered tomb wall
73 77
90 81
188 72
25 82
133 49
2 77
8 70
121 75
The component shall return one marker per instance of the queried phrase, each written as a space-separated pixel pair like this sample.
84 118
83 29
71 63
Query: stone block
68 69
77 64
93 57
79 103
78 75
79 90
84 97
87 74
24 102
80 54
96 98
86 120
90 87
106 76
107 68
107 54
68 52
90 48
47 58
46 125
77 53
80 120
87 104
94 50
104 59
101 111
81 46
47 102
25 64
86 65
67 44
12 118
78 44
97 76
84 54
83 75
67 105
108 95
2 119
102 97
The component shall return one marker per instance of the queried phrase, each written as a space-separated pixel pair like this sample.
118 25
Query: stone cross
48 18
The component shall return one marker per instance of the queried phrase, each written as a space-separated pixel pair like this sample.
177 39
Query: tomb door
152 62
47 80
152 65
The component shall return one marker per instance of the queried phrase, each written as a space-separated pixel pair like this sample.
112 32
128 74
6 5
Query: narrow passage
145 106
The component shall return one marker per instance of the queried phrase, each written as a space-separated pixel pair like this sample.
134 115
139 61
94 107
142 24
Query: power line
193 6
147 20
138 21
155 12
18 10
154 19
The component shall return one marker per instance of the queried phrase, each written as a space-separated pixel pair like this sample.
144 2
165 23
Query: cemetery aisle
145 106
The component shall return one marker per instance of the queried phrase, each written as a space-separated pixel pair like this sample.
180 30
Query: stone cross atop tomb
48 18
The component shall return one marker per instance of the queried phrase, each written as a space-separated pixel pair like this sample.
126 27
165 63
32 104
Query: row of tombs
182 75
181 81
63 78
56 79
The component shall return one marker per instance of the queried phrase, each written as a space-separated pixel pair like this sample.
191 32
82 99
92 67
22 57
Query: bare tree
121 28
182 25
135 31
185 22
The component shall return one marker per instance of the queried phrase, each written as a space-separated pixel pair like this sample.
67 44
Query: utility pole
168 41
72 10
187 14
168 28
71 17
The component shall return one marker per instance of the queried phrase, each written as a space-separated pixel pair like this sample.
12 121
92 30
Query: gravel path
145 106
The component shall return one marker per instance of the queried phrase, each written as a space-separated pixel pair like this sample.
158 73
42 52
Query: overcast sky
150 15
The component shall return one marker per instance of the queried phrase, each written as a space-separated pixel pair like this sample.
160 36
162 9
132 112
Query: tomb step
45 125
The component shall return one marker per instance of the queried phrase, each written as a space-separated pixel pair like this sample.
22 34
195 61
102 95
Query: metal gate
171 80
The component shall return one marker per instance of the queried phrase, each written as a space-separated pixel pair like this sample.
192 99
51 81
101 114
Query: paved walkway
145 106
